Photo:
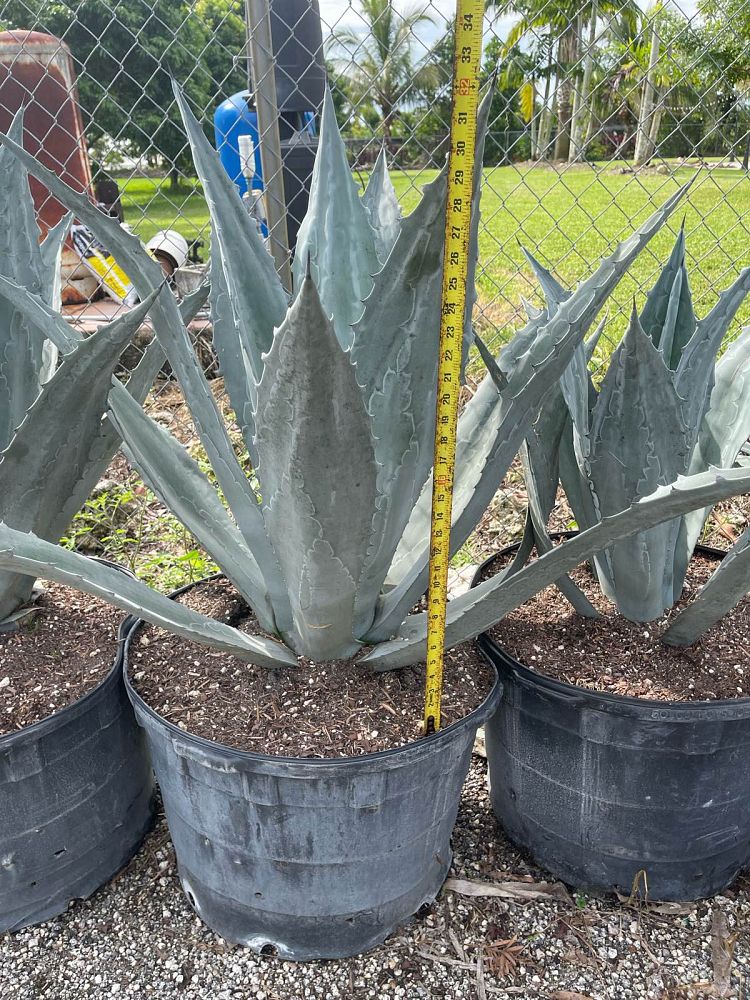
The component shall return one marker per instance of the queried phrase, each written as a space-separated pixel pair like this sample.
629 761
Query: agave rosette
334 393
54 445
666 407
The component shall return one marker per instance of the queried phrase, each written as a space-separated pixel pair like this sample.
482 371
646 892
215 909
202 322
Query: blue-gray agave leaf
726 425
639 442
540 457
146 274
98 440
559 445
64 338
554 293
668 317
579 393
405 297
26 359
336 235
50 453
485 605
695 371
51 249
395 350
161 460
248 278
179 483
234 363
726 587
38 558
383 208
403 300
665 408
523 339
318 474
575 444
493 425
105 442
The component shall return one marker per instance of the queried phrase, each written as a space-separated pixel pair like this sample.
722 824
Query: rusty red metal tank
37 73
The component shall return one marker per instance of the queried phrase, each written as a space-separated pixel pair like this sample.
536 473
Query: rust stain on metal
37 74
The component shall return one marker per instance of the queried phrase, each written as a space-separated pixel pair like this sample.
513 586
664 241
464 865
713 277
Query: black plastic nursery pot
76 800
599 787
309 858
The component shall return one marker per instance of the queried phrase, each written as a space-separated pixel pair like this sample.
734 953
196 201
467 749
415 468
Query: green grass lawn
568 220
150 205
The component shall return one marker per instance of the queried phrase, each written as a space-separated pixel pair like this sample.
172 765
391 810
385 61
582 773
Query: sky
341 13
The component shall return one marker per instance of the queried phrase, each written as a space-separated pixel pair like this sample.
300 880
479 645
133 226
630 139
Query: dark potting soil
58 655
333 709
622 657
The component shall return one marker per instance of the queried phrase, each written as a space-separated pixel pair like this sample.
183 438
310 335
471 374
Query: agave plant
665 408
334 394
51 435
54 444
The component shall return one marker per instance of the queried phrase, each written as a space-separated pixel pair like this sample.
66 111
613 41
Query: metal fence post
266 105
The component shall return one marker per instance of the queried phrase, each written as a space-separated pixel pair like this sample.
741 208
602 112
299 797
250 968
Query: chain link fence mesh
602 108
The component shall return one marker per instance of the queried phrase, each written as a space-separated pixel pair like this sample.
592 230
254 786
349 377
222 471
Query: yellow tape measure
466 59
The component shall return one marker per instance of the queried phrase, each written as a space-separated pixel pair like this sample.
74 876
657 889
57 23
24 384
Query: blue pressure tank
236 116
300 74
233 118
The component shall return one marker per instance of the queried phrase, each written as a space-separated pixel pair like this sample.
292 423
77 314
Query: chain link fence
602 109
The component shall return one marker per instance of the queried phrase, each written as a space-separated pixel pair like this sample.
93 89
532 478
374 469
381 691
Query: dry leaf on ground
577 957
481 987
502 957
567 995
508 890
722 952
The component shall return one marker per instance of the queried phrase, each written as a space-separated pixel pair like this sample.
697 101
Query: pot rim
474 719
56 719
718 706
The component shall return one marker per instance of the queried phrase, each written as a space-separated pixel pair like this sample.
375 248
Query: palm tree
582 110
613 29
654 68
555 20
379 63
566 20
522 71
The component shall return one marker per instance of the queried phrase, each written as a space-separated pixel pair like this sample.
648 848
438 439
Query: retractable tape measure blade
101 263
466 60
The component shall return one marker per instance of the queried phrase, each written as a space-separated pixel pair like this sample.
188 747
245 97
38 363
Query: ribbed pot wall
76 793
599 787
304 857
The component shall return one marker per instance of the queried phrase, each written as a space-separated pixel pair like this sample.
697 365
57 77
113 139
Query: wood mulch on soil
333 709
59 654
621 657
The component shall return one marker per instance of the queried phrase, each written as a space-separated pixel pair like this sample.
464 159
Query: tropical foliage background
579 79
602 109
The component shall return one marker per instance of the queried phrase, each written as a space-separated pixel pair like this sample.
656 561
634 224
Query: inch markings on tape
466 60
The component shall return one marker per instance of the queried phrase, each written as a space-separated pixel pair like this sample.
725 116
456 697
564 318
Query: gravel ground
138 937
